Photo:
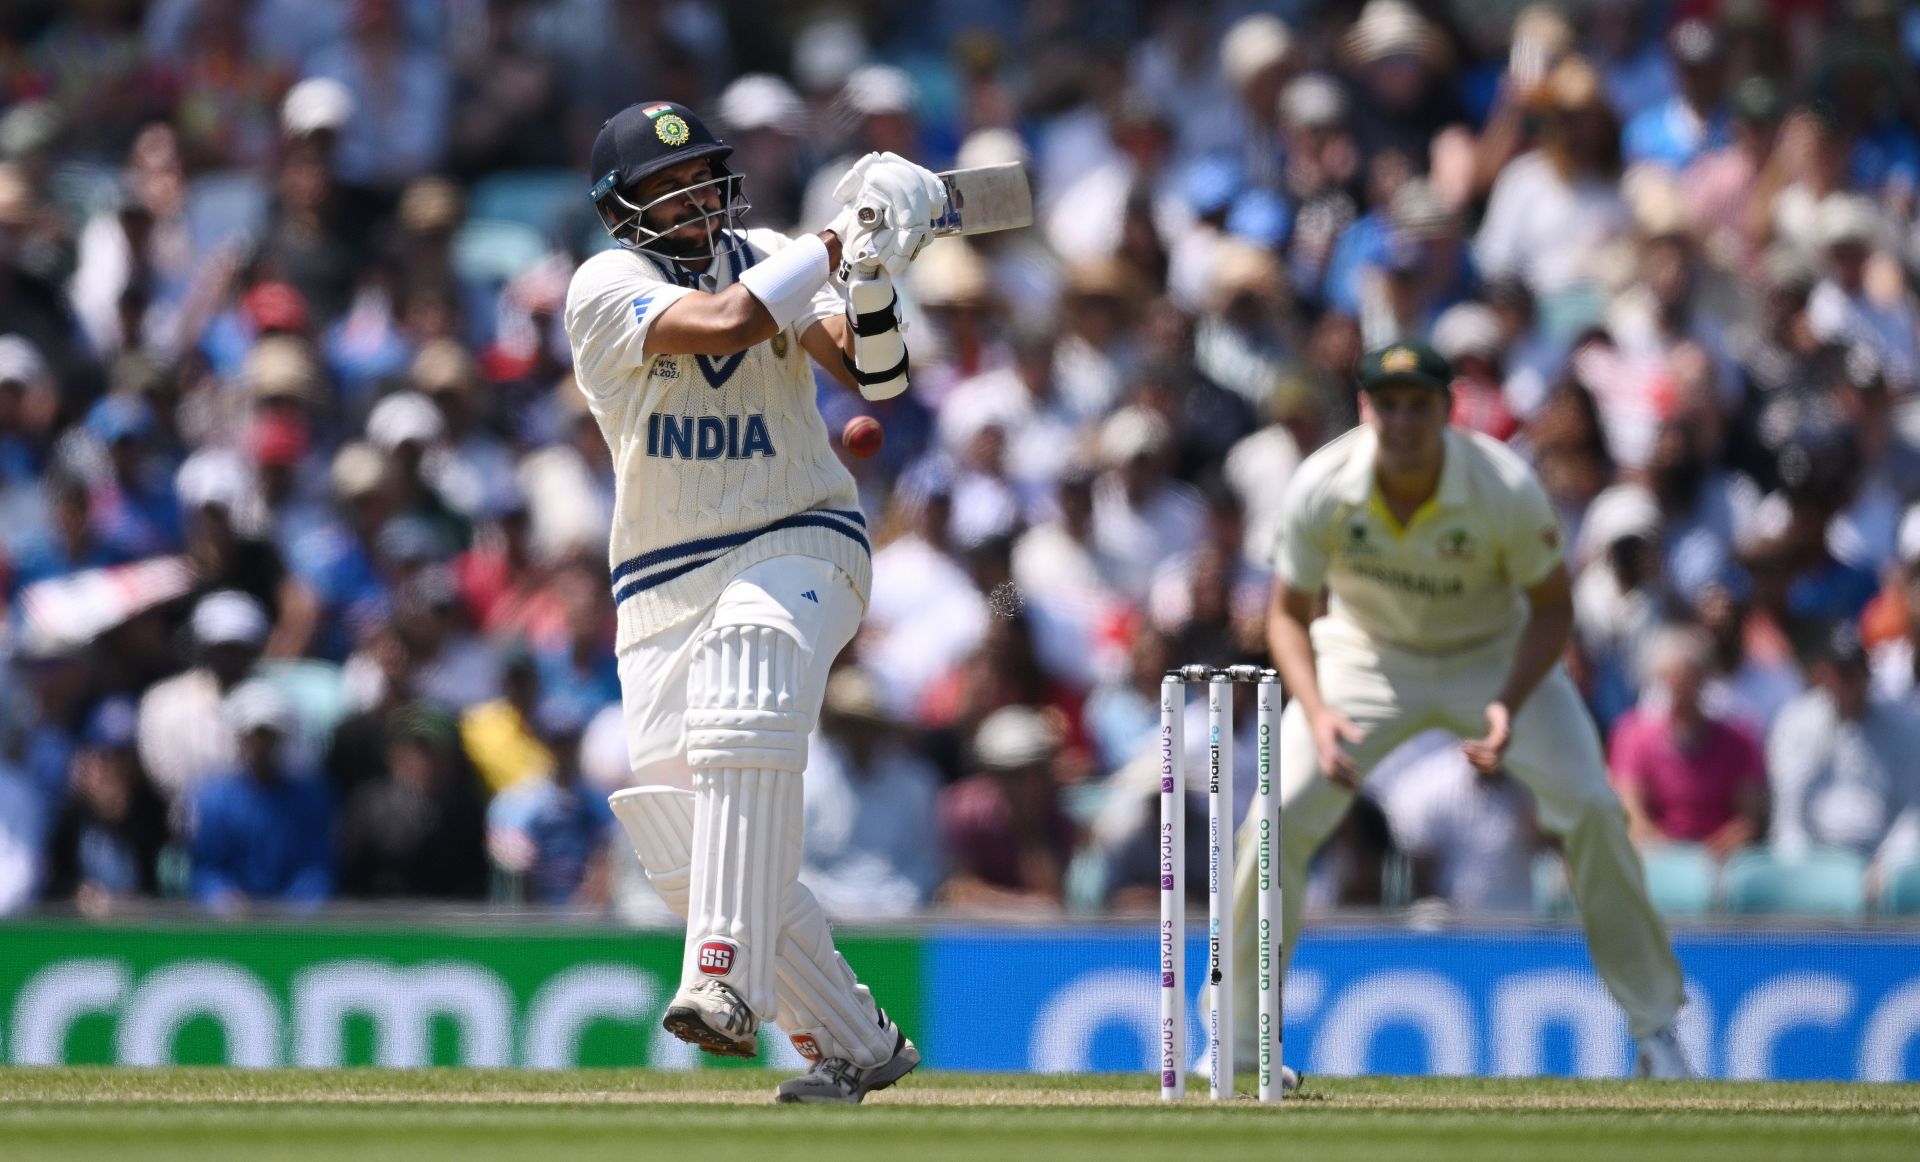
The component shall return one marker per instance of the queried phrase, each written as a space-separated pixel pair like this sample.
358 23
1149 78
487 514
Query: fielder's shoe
712 1016
1661 1056
835 1079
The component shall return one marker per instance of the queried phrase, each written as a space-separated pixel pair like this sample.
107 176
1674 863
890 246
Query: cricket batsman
740 559
1448 605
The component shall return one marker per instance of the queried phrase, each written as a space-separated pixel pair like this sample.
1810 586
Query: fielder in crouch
739 556
1448 606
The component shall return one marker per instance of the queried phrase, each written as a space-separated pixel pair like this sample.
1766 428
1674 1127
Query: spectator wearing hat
549 833
261 833
1692 121
1005 833
1424 270
223 507
474 463
1468 336
337 560
1240 338
105 843
1258 57
1675 301
1323 161
1399 62
67 542
415 827
569 482
1776 349
951 283
925 613
1107 206
873 112
408 429
317 227
1023 399
134 509
292 483
28 406
873 846
1840 759
1412 233
1141 516
1684 773
767 123
1620 595
183 737
1554 208
1844 308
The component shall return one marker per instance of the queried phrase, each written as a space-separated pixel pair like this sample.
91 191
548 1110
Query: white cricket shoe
1660 1056
712 1016
835 1079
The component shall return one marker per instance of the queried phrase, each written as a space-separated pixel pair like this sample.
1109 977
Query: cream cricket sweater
719 462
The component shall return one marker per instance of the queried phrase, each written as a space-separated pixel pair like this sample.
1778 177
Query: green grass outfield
725 1114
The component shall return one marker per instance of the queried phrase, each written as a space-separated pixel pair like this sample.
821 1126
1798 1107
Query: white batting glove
889 217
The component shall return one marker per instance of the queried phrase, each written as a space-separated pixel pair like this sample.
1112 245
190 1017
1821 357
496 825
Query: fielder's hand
1485 753
890 207
1331 729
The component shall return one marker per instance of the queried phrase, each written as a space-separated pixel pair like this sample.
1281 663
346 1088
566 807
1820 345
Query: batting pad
747 744
818 995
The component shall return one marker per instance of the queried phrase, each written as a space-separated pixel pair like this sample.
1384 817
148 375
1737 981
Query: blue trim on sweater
818 518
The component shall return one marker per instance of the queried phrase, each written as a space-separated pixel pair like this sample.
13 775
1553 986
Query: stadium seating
1825 883
542 199
1900 894
491 250
1679 878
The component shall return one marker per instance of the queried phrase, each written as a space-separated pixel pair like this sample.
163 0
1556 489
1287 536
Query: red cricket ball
863 436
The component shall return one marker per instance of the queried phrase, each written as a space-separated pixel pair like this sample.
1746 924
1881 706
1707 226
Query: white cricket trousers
1394 694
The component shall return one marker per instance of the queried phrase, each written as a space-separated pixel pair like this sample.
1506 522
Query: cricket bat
986 199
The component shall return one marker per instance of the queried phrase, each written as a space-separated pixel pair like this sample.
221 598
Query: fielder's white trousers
1392 695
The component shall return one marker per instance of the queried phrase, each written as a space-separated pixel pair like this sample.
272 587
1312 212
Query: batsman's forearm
1542 643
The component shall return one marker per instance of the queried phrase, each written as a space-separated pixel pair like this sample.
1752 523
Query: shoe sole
686 1023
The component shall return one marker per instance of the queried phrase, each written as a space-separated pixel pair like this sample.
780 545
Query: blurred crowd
303 522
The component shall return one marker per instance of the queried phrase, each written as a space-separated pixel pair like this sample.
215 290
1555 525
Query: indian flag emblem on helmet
671 129
1398 360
